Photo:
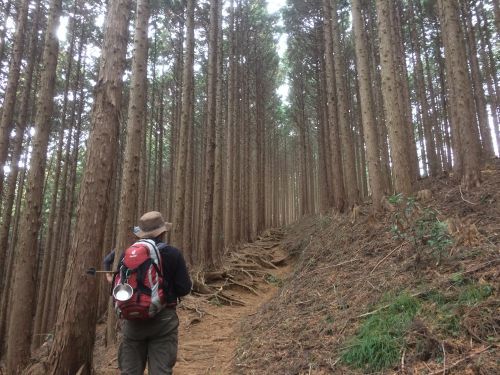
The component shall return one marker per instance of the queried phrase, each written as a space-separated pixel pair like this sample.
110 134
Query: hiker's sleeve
108 261
182 281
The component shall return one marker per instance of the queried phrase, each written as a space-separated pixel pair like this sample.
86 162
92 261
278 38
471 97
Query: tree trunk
348 158
338 187
367 106
187 240
129 194
394 117
9 100
182 156
462 100
76 321
231 87
217 224
53 225
5 311
430 144
6 13
24 106
208 196
477 81
489 69
496 5
22 309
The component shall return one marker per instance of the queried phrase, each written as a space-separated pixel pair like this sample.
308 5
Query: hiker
151 339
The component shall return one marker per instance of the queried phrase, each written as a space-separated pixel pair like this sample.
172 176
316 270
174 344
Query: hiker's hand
109 277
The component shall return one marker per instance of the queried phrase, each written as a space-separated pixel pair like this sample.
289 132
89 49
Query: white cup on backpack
123 292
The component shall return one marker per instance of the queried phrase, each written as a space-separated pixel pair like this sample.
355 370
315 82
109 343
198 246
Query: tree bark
348 158
208 196
338 186
129 194
76 321
394 117
462 101
231 87
217 236
182 156
430 144
9 101
22 309
477 82
367 106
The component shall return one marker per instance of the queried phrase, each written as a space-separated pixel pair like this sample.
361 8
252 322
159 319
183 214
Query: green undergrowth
444 310
381 338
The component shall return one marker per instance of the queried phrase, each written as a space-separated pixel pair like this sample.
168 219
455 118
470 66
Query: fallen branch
465 200
444 358
387 256
481 266
331 266
386 306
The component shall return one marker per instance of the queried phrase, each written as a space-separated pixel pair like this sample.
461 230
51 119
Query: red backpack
141 268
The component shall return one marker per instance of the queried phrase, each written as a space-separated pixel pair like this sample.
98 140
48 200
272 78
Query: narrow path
207 345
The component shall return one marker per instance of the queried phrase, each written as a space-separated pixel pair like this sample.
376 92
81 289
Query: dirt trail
207 344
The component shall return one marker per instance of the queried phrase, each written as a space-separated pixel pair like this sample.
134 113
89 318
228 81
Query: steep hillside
411 291
414 290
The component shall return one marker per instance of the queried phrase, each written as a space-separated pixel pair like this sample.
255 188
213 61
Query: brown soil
208 339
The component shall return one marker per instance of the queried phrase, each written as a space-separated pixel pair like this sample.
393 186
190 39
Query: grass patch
436 297
381 338
446 311
378 344
474 293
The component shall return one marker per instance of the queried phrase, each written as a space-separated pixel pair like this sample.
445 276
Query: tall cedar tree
22 308
338 185
9 100
129 196
182 148
462 101
393 113
76 321
367 105
205 244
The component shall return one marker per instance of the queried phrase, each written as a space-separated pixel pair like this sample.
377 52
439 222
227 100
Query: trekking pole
92 271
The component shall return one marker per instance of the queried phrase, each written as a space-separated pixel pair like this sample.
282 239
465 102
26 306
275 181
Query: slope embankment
411 291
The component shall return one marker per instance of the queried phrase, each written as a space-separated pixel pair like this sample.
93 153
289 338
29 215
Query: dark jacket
175 273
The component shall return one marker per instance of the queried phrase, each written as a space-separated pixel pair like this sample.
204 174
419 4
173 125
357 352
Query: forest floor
413 290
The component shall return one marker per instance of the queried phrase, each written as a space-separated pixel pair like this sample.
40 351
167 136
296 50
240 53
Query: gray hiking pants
153 340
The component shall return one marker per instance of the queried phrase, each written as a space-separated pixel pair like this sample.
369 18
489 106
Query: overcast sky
274 5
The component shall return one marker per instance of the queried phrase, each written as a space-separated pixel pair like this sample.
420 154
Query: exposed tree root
244 269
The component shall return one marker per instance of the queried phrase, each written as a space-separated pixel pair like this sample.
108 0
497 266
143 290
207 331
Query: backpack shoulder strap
161 246
154 253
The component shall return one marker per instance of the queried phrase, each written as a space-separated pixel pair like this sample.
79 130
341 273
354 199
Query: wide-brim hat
151 225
